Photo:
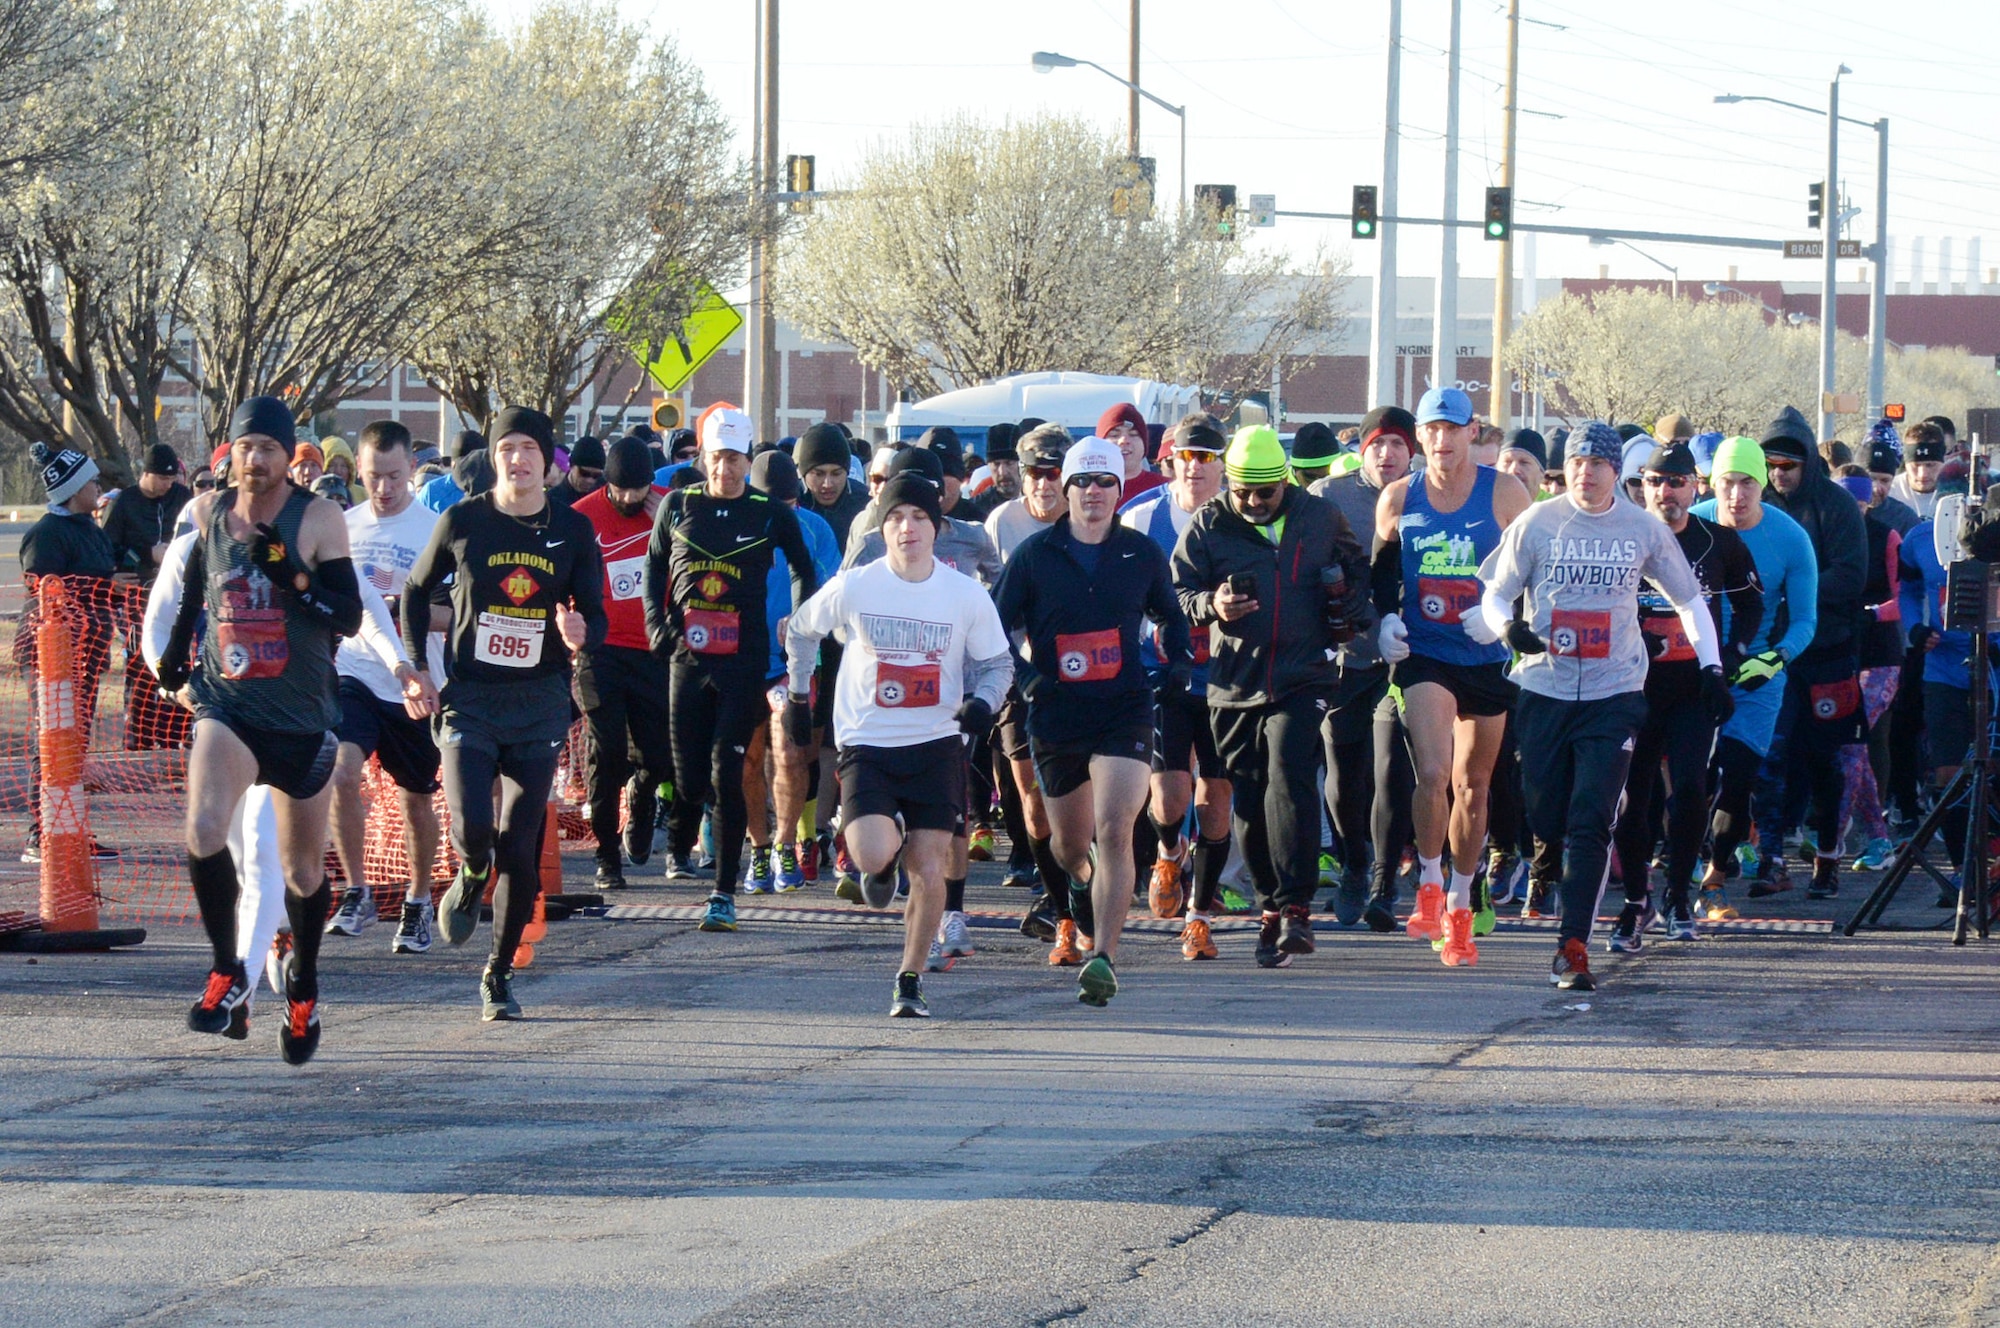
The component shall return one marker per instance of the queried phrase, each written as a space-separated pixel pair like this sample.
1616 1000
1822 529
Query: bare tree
971 250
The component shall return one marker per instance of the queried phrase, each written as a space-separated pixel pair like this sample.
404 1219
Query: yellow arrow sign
713 321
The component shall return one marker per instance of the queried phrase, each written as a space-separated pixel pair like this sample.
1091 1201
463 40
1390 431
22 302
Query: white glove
1394 639
1477 626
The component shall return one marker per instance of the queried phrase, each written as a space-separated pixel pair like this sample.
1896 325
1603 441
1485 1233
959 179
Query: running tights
1681 736
712 717
512 849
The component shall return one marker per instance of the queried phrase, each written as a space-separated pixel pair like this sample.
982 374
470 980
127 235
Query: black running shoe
1772 878
1625 937
1380 915
909 1002
458 911
298 1038
610 876
1269 955
496 990
878 889
224 1006
1039 924
1295 933
642 801
1825 882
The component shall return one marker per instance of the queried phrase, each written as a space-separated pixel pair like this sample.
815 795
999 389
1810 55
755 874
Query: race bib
906 686
710 631
1835 700
1579 634
252 648
626 577
1443 599
1089 656
511 643
780 694
1197 641
1669 629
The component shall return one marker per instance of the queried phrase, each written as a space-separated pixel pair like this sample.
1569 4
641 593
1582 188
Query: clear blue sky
1286 97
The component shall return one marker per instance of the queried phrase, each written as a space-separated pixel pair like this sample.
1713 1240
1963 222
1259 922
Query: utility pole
1878 291
1444 335
1132 100
1382 349
760 359
1829 299
1501 407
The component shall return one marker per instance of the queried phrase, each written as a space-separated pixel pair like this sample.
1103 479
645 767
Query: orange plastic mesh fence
132 794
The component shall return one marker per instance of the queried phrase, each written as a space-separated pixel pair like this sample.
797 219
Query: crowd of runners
1431 669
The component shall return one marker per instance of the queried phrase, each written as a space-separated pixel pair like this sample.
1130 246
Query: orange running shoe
1164 895
1427 921
1196 943
1066 953
1458 946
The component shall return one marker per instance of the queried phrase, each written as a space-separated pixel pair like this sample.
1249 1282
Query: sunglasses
1096 482
1043 472
1667 481
1192 455
1772 464
1263 493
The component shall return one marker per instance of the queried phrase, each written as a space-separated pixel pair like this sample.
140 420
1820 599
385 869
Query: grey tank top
263 663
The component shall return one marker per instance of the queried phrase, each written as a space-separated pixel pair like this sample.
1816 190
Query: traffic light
1499 213
1815 203
1996 366
1894 412
799 180
1364 222
1217 204
1132 187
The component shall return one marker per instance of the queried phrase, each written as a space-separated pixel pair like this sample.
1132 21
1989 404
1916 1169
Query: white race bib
627 577
512 643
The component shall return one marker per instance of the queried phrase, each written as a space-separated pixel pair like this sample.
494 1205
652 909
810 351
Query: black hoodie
1832 521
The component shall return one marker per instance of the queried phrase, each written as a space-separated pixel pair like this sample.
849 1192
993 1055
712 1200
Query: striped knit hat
1255 456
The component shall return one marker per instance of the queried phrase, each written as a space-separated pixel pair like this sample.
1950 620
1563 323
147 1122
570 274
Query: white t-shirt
1009 524
384 550
907 642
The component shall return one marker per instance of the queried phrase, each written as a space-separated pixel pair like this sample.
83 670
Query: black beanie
1389 419
1000 440
64 473
773 475
821 445
268 416
469 441
942 442
1670 459
1531 442
629 464
527 420
910 487
919 459
587 451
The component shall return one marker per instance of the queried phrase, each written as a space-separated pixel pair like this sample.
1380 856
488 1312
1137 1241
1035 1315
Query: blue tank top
1441 556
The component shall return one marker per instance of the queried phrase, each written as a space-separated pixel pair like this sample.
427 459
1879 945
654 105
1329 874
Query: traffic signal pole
1878 291
760 358
1500 407
1382 347
1829 299
1444 333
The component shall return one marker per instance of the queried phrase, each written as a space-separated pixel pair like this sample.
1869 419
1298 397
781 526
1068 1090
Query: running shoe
909 1002
1746 857
785 861
459 909
1295 931
1680 922
298 1036
224 1006
610 876
878 889
1876 856
1233 901
496 995
1825 883
1096 984
1021 878
1715 906
275 960
937 961
721 914
1329 868
902 882
1626 935
1039 923
1483 916
1065 953
680 867
758 878
642 811
1380 915
1269 954
1458 949
955 935
1772 878
979 846
1163 892
809 862
1506 877
1540 899
1196 943
413 929
1427 921
355 912
843 865
31 851
848 888
1350 897
1571 969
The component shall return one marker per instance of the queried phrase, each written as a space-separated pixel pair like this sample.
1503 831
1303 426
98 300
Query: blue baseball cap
1447 404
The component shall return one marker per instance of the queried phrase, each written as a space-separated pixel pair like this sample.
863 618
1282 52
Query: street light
1878 291
1675 272
1794 317
1046 61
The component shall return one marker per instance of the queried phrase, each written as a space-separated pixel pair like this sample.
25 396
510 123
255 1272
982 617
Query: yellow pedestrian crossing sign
712 322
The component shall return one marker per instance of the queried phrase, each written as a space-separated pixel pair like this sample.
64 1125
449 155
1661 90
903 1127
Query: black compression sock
215 891
1211 859
1055 881
1170 835
308 915
954 895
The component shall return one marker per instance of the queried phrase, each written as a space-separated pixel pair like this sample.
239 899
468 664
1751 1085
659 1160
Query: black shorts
386 732
1010 728
925 784
1064 767
1947 723
1182 736
297 765
1351 717
1481 690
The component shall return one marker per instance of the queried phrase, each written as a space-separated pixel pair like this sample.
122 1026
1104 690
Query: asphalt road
727 1129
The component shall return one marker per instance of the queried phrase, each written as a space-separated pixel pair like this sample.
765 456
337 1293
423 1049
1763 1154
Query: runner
926 663
1186 767
517 565
1433 531
1679 727
278 585
1277 577
1577 561
622 685
384 711
706 574
1077 592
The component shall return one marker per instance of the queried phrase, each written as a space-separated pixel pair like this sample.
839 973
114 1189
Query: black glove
271 555
798 720
1715 695
1656 645
1920 636
1521 639
333 592
1733 656
975 717
1180 676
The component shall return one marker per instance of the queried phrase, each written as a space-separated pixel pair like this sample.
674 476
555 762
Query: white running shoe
954 935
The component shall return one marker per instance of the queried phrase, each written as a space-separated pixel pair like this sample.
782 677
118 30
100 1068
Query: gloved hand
798 720
1758 670
1715 695
1393 639
1521 639
1656 645
974 717
1180 676
1733 656
271 555
174 673
1476 626
1921 635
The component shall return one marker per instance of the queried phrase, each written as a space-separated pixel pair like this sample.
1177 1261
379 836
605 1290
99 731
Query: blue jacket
778 585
